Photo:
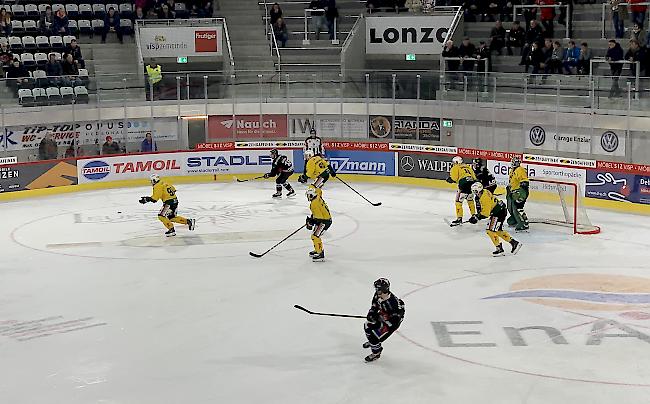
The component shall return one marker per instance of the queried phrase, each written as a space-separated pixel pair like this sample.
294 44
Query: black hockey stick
326 314
280 242
250 179
357 192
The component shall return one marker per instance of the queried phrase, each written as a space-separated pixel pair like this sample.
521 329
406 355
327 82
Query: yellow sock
472 206
459 209
504 235
179 220
318 244
494 237
168 224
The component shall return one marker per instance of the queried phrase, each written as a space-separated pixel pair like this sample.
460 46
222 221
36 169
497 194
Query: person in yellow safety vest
154 75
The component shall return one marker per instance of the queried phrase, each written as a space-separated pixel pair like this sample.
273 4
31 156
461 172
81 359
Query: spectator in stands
414 6
165 13
148 145
154 77
70 72
74 50
534 34
638 11
583 60
317 17
547 14
451 51
46 22
280 31
467 50
483 54
636 53
70 153
618 15
331 14
614 53
570 57
17 75
206 10
139 14
472 10
6 56
152 14
535 59
497 37
5 22
555 61
516 38
638 34
48 149
54 71
110 147
112 24
61 22
275 12
493 9
172 5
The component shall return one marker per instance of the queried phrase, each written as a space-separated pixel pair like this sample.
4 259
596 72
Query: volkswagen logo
537 135
609 141
407 163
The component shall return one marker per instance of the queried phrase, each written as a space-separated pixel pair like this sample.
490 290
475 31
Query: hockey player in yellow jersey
317 168
464 176
517 194
494 210
167 194
319 221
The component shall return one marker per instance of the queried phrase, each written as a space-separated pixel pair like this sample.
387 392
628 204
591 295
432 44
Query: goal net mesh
563 205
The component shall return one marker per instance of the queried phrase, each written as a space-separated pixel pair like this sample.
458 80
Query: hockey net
564 205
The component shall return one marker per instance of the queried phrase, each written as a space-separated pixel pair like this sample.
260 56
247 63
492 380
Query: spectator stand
308 12
567 26
604 16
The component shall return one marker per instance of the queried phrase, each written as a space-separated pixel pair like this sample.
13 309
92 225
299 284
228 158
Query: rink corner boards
625 207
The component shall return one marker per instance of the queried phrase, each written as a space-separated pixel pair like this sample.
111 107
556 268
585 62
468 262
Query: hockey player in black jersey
283 169
384 318
484 176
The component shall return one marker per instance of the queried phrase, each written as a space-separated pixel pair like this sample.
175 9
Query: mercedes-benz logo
407 163
609 141
537 135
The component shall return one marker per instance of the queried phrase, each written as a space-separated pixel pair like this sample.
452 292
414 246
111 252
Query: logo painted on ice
597 292
96 170
537 135
407 163
609 141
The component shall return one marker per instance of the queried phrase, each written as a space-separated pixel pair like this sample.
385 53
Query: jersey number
171 191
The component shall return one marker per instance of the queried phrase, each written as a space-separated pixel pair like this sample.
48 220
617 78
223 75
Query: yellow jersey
318 207
316 166
163 191
489 205
461 171
517 176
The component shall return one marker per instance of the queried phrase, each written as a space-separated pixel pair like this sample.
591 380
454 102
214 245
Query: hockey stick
326 314
357 192
280 242
250 179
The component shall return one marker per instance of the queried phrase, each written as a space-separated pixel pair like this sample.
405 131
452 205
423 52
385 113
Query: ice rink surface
97 306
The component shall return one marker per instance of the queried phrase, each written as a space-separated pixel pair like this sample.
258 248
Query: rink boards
610 185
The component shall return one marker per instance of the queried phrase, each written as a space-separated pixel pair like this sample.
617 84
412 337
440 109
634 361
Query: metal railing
607 5
306 40
274 46
559 6
458 15
637 70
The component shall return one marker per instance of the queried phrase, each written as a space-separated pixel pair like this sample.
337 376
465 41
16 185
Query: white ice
97 306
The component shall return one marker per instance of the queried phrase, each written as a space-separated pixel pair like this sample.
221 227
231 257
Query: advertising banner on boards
603 142
46 174
329 126
404 127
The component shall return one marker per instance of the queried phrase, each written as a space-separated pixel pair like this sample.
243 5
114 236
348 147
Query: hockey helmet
477 188
457 160
312 131
274 153
382 285
477 163
308 154
311 193
154 178
515 162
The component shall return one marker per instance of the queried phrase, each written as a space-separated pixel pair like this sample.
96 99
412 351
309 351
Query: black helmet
515 162
312 131
382 285
477 163
274 153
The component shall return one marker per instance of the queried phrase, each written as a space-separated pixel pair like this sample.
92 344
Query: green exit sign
410 56
447 123
181 59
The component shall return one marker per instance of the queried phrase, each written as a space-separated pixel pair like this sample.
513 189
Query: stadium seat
127 26
67 95
72 10
67 39
15 43
18 10
43 43
42 7
83 76
98 26
29 43
181 10
28 60
41 59
40 96
99 11
115 7
126 10
81 94
57 55
57 6
86 10
40 78
73 27
17 27
30 27
56 42
31 10
54 96
25 97
4 41
84 27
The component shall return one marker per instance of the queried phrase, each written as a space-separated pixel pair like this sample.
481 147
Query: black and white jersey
315 144
486 179
281 164
389 311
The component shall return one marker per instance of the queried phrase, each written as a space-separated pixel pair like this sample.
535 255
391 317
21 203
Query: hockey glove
332 171
302 179
524 185
473 219
267 175
145 199
449 180
309 223
372 318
